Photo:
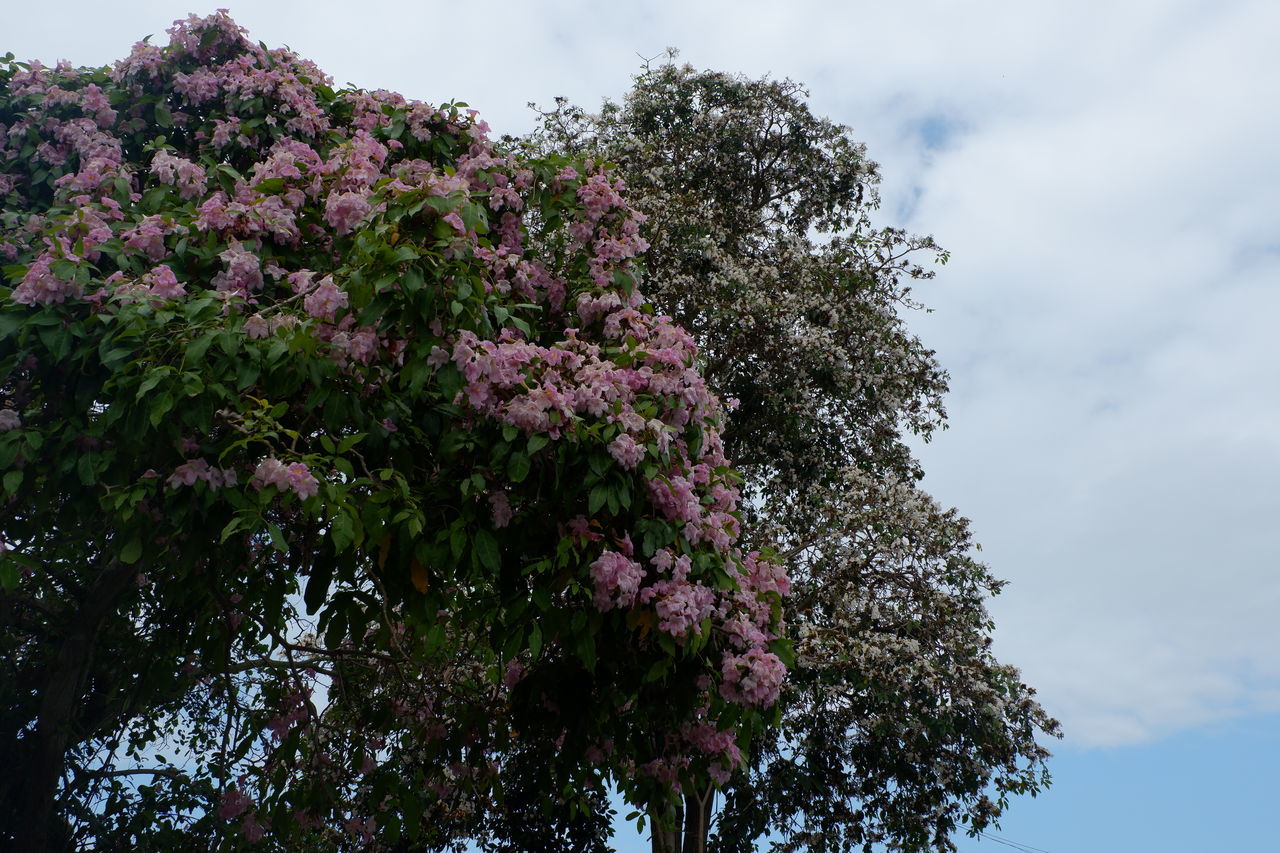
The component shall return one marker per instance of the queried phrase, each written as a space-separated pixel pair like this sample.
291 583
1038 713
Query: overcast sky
1105 177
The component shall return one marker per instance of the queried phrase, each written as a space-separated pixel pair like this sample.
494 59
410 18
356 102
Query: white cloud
1108 320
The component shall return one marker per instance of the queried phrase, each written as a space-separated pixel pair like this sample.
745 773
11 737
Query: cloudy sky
1105 177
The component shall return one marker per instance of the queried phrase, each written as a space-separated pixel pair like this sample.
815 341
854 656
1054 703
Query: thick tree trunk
684 825
666 824
60 700
697 820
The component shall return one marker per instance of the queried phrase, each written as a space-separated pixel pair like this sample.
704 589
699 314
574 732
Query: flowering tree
353 493
898 725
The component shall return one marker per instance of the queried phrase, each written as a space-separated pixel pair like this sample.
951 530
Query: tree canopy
354 495
898 724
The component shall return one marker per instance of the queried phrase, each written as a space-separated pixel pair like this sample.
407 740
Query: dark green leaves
518 466
486 552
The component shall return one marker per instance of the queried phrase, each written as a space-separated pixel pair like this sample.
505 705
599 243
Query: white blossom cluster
763 247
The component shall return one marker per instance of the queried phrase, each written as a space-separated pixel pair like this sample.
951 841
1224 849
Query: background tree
352 492
899 726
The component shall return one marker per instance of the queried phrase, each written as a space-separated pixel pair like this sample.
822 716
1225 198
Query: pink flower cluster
626 451
617 580
148 234
41 286
752 678
500 505
188 177
233 803
680 605
343 211
243 272
161 283
325 299
193 470
720 744
293 710
295 477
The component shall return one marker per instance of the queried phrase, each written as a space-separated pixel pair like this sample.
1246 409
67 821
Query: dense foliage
899 726
353 493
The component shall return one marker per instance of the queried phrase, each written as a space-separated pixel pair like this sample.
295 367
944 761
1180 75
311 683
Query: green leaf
599 495
277 537
351 441
84 467
232 526
587 650
599 464
444 204
537 441
435 637
318 585
8 575
342 531
542 597
336 629
783 649
518 467
486 548
132 551
160 408
9 323
12 480
271 186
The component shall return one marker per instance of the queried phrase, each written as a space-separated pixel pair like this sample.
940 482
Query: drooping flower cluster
616 579
295 477
193 470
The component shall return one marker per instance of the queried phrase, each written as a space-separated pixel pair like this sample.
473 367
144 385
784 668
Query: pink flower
617 580
362 346
514 674
164 284
192 470
455 221
251 829
299 478
187 473
243 273
323 302
232 804
753 678
681 606
40 285
625 450
256 327
363 828
295 477
224 131
9 420
501 506
188 177
345 210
